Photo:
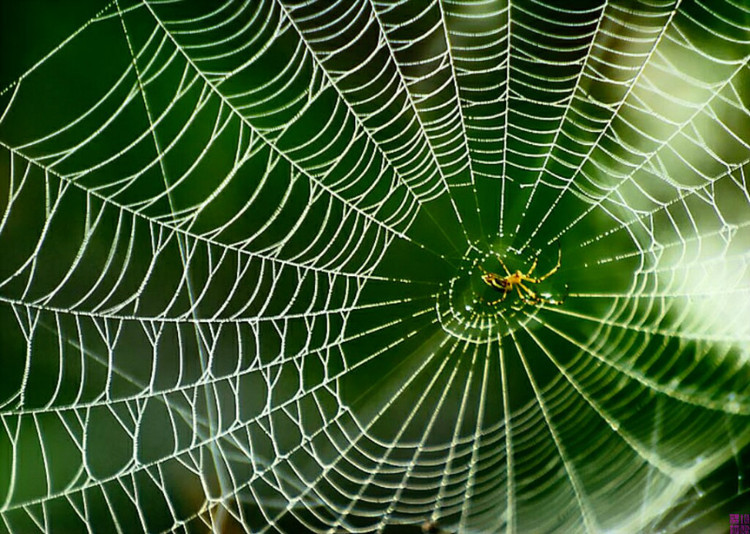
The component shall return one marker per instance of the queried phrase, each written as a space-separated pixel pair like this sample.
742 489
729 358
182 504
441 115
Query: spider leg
505 293
533 266
532 298
531 292
493 302
521 295
507 272
554 269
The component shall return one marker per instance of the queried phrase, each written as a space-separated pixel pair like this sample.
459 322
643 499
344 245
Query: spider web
241 253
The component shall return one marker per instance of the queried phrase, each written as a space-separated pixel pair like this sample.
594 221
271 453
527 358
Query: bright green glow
240 250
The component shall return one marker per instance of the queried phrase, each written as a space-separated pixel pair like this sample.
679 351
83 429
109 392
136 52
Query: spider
505 284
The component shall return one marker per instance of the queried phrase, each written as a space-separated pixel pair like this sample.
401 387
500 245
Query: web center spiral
471 309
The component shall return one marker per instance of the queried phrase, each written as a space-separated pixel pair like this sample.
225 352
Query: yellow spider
505 284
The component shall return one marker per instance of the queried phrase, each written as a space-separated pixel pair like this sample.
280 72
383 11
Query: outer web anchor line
495 293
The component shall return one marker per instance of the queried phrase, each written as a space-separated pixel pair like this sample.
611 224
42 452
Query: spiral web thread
228 231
